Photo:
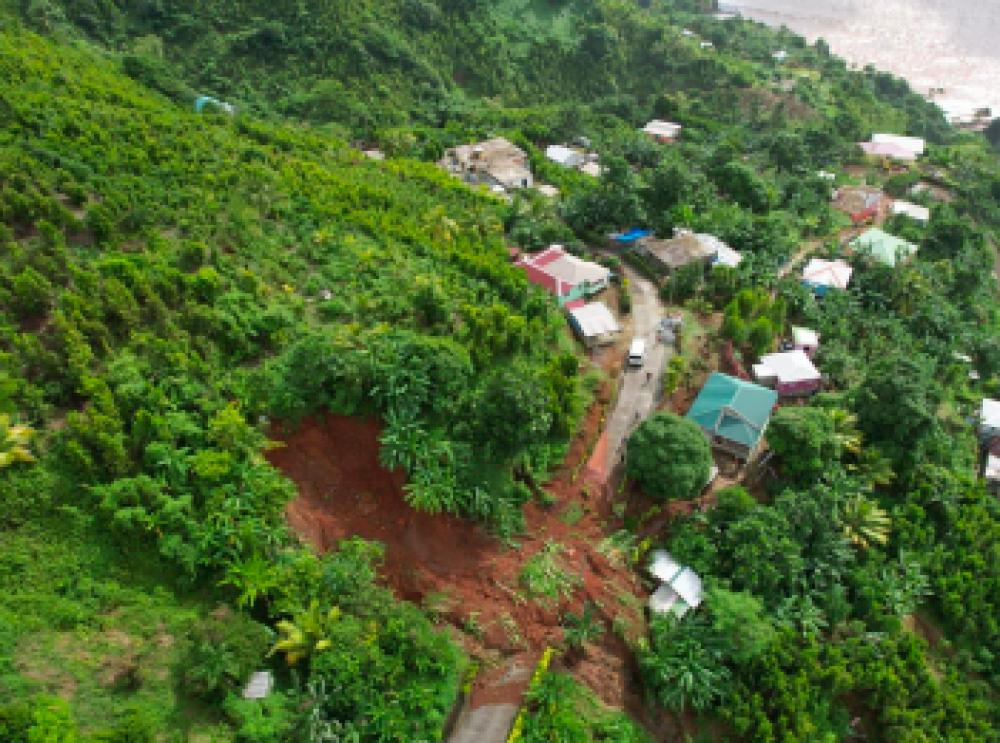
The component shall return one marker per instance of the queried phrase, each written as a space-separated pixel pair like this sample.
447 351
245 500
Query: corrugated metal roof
733 409
885 248
791 366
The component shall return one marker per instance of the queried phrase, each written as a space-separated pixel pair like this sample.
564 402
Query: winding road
638 397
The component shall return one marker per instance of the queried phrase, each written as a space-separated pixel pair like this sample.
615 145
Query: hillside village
366 376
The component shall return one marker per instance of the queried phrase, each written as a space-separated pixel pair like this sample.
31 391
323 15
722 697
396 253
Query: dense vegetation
171 282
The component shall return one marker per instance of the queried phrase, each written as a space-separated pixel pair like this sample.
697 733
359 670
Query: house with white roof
664 132
680 590
913 144
914 211
726 256
594 323
989 419
564 156
805 340
822 275
563 274
788 373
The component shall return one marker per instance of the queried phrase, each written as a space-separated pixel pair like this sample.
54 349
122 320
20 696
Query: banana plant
306 635
14 441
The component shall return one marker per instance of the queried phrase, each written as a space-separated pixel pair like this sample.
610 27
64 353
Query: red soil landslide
470 577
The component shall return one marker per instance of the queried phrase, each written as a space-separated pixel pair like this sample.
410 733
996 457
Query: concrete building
495 162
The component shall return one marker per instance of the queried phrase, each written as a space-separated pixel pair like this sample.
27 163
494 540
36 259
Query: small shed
792 372
664 132
681 588
564 156
259 685
805 340
915 212
595 324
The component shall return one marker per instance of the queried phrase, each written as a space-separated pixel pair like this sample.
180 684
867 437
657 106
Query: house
821 275
564 156
733 414
883 247
887 149
661 131
683 249
860 203
989 420
991 467
680 588
913 144
563 274
591 168
788 372
594 323
726 256
805 340
914 211
547 190
495 162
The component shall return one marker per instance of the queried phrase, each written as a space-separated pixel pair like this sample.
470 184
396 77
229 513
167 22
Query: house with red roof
563 274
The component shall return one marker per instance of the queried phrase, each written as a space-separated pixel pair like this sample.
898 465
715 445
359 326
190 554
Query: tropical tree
306 635
846 435
669 457
682 663
863 522
14 440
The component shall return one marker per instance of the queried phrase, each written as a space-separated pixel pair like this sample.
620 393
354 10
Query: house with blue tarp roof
733 414
629 239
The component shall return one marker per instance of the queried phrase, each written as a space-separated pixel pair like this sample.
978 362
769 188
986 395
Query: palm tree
873 467
845 433
443 228
14 442
863 522
306 635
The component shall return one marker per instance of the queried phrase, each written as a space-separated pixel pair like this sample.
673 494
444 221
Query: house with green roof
883 247
733 414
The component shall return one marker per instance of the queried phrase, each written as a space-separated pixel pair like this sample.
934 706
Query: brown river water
950 44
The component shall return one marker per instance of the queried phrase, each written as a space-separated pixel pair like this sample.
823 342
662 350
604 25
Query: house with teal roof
883 247
733 414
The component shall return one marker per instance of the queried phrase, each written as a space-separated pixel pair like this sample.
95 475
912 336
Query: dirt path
807 248
638 396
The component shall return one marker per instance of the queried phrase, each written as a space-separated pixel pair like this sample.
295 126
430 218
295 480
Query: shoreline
920 45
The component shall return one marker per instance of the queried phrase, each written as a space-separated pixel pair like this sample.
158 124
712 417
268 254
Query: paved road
637 398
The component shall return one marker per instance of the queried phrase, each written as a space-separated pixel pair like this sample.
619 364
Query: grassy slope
83 599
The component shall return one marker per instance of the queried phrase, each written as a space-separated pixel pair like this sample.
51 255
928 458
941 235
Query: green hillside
167 278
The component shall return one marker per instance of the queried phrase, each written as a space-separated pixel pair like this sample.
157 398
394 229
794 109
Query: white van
637 353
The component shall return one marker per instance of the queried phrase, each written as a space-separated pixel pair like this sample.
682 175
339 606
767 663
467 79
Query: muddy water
950 44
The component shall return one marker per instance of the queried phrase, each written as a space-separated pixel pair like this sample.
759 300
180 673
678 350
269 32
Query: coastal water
950 44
